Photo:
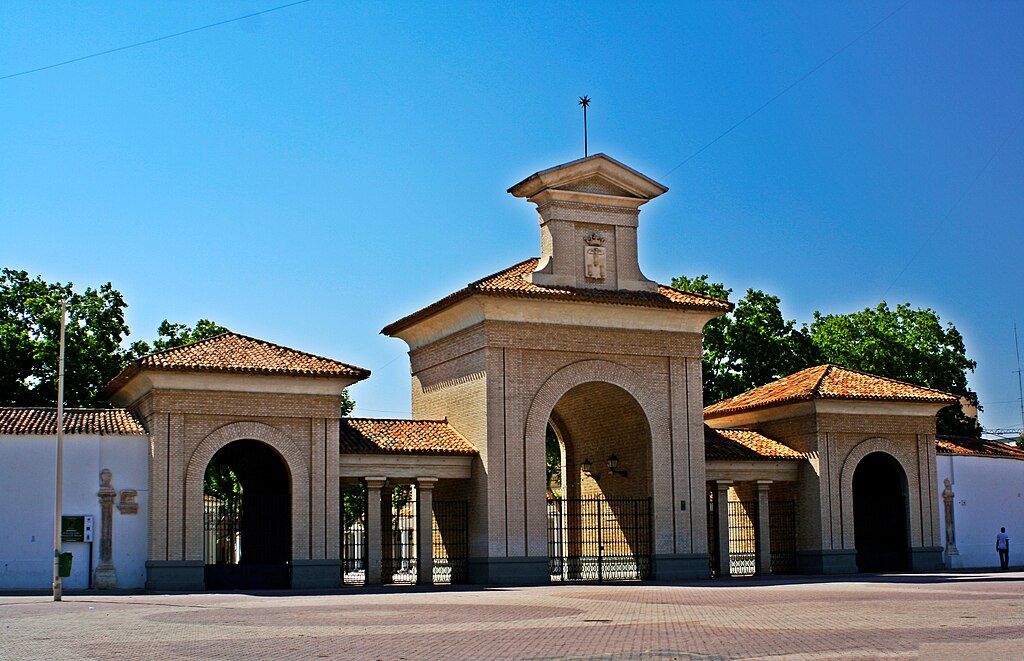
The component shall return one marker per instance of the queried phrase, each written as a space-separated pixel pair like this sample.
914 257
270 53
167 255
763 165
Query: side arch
540 409
907 463
294 459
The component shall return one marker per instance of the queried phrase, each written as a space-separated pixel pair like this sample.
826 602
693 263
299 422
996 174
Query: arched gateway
581 341
244 466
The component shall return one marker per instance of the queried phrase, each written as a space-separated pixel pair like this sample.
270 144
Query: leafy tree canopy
754 345
30 340
171 335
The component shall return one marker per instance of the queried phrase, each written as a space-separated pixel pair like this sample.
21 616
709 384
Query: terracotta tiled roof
976 447
827 382
744 444
374 436
512 282
232 352
21 420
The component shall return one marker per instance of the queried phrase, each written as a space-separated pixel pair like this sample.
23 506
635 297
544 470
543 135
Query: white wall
989 496
27 476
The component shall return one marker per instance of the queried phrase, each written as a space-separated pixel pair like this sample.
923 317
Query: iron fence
742 537
782 529
598 539
450 536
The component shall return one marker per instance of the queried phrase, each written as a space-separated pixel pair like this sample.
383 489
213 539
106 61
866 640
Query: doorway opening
598 486
880 528
247 529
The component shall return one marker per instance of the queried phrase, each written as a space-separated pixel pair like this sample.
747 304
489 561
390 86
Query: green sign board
76 528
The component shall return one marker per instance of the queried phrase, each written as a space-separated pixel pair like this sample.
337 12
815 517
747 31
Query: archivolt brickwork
906 456
296 460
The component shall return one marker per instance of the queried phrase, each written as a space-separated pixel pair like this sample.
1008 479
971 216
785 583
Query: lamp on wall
586 468
613 466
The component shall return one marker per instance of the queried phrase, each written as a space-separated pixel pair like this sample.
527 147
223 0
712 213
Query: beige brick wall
188 427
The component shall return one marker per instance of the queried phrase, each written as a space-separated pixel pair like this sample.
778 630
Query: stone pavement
937 616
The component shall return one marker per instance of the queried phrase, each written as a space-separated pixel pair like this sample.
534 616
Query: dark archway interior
880 514
262 524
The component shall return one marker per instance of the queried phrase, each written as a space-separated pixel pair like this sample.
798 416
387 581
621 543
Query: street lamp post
60 458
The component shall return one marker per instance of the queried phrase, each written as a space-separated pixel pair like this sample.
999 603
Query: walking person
1003 548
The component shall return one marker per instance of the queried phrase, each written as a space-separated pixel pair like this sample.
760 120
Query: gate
742 537
239 550
398 552
782 526
450 536
598 539
353 543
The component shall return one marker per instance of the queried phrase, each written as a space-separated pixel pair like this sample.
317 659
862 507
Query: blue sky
311 174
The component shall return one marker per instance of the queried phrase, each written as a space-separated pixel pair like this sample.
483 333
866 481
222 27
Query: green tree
906 344
171 335
553 450
30 340
750 346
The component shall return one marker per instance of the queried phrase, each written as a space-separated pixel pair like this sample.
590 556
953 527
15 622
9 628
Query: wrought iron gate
742 537
353 543
243 547
398 527
782 527
598 539
451 541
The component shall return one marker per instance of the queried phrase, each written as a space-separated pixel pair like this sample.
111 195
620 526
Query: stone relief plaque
595 257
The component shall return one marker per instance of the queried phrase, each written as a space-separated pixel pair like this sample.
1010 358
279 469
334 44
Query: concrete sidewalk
932 616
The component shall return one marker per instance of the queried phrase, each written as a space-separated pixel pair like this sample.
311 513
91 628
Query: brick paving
939 616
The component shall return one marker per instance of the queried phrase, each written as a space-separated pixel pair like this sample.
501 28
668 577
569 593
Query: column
764 537
425 530
372 560
105 576
722 525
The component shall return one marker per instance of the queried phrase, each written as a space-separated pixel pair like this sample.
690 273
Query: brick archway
540 410
295 460
850 463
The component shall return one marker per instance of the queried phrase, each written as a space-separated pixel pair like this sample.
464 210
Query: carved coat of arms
595 257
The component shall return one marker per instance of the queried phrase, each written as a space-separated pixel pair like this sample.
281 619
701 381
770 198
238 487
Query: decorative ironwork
782 527
451 541
353 547
240 549
742 537
598 539
398 534
712 535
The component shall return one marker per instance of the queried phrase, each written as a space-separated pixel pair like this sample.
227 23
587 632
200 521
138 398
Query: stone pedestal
105 577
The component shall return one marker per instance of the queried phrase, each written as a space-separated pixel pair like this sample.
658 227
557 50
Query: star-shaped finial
584 101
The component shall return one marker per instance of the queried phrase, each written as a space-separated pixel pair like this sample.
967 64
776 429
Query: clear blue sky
312 174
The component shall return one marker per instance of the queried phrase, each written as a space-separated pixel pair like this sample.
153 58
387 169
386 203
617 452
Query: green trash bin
64 565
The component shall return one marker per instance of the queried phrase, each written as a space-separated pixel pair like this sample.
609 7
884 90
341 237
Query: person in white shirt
1003 548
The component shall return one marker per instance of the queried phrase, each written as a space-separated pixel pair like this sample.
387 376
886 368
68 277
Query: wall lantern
613 466
586 468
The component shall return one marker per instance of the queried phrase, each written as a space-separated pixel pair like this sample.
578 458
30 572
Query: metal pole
60 458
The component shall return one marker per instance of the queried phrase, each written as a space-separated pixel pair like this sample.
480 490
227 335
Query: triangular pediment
598 174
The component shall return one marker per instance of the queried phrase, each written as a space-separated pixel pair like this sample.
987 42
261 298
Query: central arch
880 521
600 525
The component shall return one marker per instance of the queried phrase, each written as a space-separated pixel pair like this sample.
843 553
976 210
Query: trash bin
64 565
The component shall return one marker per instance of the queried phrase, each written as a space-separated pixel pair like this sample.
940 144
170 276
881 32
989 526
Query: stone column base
105 577
509 571
926 558
680 566
175 575
822 561
316 574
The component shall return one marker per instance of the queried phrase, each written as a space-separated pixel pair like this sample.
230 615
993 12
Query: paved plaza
940 616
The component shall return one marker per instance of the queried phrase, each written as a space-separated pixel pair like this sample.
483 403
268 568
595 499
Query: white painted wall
989 496
27 476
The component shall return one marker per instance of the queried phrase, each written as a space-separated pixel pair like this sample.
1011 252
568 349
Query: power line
153 41
791 86
963 194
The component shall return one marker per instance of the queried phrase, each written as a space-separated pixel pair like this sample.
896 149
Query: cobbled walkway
940 616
